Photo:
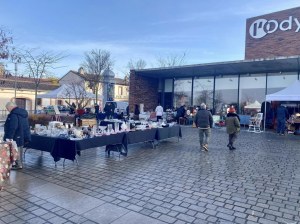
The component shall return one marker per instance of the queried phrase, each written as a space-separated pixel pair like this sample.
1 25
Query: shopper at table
136 112
232 123
282 116
96 106
16 128
109 110
159 112
204 121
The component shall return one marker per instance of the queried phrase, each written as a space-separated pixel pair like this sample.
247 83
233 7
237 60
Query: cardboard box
88 122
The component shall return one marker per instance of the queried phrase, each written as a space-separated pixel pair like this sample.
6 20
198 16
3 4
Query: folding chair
255 124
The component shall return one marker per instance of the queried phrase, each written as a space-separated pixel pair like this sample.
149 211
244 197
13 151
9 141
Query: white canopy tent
290 93
66 91
255 105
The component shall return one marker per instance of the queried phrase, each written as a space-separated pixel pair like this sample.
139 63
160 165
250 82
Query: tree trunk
35 96
96 92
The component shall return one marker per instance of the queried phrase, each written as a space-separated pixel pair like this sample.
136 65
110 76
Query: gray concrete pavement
174 183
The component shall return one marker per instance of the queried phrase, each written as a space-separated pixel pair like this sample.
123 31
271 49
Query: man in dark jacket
282 116
204 121
16 128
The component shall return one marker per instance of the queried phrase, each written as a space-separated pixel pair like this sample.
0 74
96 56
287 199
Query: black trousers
232 138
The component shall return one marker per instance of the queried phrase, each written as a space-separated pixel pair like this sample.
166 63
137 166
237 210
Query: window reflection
278 81
252 93
226 93
203 91
182 92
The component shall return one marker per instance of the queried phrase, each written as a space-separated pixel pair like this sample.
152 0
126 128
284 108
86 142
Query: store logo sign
261 27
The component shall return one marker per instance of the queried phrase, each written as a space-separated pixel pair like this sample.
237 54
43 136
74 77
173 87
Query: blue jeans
280 126
204 136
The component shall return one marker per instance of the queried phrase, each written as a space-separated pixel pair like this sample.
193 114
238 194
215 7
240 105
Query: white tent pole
265 115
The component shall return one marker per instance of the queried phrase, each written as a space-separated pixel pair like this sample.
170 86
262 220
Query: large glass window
252 92
182 92
168 85
203 91
278 81
226 93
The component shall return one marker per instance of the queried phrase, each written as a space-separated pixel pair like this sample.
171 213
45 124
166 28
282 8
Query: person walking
159 112
282 116
232 123
204 121
16 128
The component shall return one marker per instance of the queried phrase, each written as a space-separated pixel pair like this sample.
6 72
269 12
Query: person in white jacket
159 112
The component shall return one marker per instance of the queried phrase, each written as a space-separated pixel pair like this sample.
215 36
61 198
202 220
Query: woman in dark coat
232 123
16 127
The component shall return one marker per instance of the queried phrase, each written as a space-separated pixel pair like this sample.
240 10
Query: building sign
261 27
273 35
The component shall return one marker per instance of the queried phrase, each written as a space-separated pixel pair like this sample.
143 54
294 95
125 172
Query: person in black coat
16 128
282 116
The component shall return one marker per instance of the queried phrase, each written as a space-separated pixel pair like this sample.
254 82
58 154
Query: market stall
289 94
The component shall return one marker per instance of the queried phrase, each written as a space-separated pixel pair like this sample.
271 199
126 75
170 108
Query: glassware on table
117 127
102 128
109 128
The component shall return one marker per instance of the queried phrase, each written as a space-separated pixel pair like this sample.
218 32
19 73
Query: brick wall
142 90
278 43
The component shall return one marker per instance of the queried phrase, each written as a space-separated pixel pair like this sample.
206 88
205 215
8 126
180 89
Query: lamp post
16 59
16 72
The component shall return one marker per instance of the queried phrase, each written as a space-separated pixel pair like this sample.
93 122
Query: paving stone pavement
176 183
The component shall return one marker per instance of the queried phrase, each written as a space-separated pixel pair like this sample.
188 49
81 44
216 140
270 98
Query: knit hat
231 110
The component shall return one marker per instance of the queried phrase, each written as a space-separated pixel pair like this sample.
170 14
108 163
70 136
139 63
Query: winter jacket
203 119
232 123
16 126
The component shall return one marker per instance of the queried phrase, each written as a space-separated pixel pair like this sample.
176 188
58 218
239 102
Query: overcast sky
208 31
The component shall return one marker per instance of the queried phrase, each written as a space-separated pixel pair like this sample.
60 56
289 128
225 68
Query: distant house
110 88
24 89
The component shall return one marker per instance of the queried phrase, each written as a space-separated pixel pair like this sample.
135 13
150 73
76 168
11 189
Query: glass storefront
182 92
252 93
246 91
226 93
278 81
203 91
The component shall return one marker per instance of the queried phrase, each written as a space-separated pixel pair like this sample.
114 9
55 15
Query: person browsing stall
159 110
16 128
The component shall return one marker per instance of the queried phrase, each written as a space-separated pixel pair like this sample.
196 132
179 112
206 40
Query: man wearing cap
204 121
232 123
16 128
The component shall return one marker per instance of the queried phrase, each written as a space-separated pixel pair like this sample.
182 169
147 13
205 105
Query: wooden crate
88 122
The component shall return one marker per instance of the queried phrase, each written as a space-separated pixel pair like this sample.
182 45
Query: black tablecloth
58 147
133 137
169 132
67 149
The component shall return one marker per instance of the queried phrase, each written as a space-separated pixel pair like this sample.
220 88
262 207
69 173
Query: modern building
272 62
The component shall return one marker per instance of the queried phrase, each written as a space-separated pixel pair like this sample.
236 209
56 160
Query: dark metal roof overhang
286 64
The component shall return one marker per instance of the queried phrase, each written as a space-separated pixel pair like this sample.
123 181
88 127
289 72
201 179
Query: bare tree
139 64
38 65
172 60
96 61
5 41
77 91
